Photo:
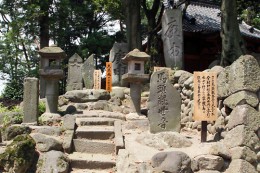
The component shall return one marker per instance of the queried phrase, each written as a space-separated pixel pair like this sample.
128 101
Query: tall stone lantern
135 61
52 73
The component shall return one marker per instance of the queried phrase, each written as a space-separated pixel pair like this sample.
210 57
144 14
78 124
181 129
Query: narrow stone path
95 144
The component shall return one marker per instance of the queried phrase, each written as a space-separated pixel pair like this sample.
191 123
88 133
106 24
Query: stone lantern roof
135 55
52 52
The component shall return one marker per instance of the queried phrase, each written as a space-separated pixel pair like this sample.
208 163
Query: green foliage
2 108
41 107
13 90
11 116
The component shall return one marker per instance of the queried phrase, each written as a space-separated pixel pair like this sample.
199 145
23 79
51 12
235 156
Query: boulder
46 143
242 136
88 95
52 161
243 74
102 105
244 115
69 122
244 153
207 162
19 155
11 132
184 76
47 130
240 98
164 140
118 92
219 149
49 118
67 141
172 162
240 166
217 69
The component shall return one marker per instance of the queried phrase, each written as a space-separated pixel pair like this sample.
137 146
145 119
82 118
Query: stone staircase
95 145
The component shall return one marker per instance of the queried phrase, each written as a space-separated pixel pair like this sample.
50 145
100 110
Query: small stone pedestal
135 76
52 74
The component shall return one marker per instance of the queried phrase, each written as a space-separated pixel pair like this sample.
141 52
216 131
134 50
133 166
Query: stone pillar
87 71
135 93
30 100
52 95
172 37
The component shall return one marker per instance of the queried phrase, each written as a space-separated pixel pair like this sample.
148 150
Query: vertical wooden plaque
109 76
97 79
205 96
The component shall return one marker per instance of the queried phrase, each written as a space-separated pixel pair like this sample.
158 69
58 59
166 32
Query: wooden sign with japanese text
97 79
109 76
205 96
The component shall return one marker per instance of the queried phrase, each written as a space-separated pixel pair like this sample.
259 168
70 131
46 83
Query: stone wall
238 122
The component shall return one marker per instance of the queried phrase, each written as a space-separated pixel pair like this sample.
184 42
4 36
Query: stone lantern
52 73
135 61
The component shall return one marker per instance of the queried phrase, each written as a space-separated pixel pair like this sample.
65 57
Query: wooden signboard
97 79
109 76
205 99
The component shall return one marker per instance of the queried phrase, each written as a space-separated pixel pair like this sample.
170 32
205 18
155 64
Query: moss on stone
12 131
19 155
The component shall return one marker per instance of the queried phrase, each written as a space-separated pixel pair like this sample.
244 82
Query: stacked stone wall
238 122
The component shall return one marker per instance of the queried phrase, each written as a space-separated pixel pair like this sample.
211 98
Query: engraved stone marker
164 104
118 51
97 79
74 73
109 76
172 37
87 72
31 100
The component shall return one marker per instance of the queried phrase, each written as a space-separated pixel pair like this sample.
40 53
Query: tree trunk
232 43
133 24
44 39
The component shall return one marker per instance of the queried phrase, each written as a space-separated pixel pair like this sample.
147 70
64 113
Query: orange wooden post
109 76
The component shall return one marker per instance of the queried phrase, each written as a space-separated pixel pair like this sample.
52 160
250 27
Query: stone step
94 146
101 114
93 171
91 161
95 132
94 121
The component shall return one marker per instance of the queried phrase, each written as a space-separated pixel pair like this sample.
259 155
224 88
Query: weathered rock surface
12 131
19 155
88 95
240 98
47 130
118 92
207 162
172 162
244 115
219 149
69 122
244 153
49 118
242 136
240 166
53 162
164 140
67 141
46 143
243 74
